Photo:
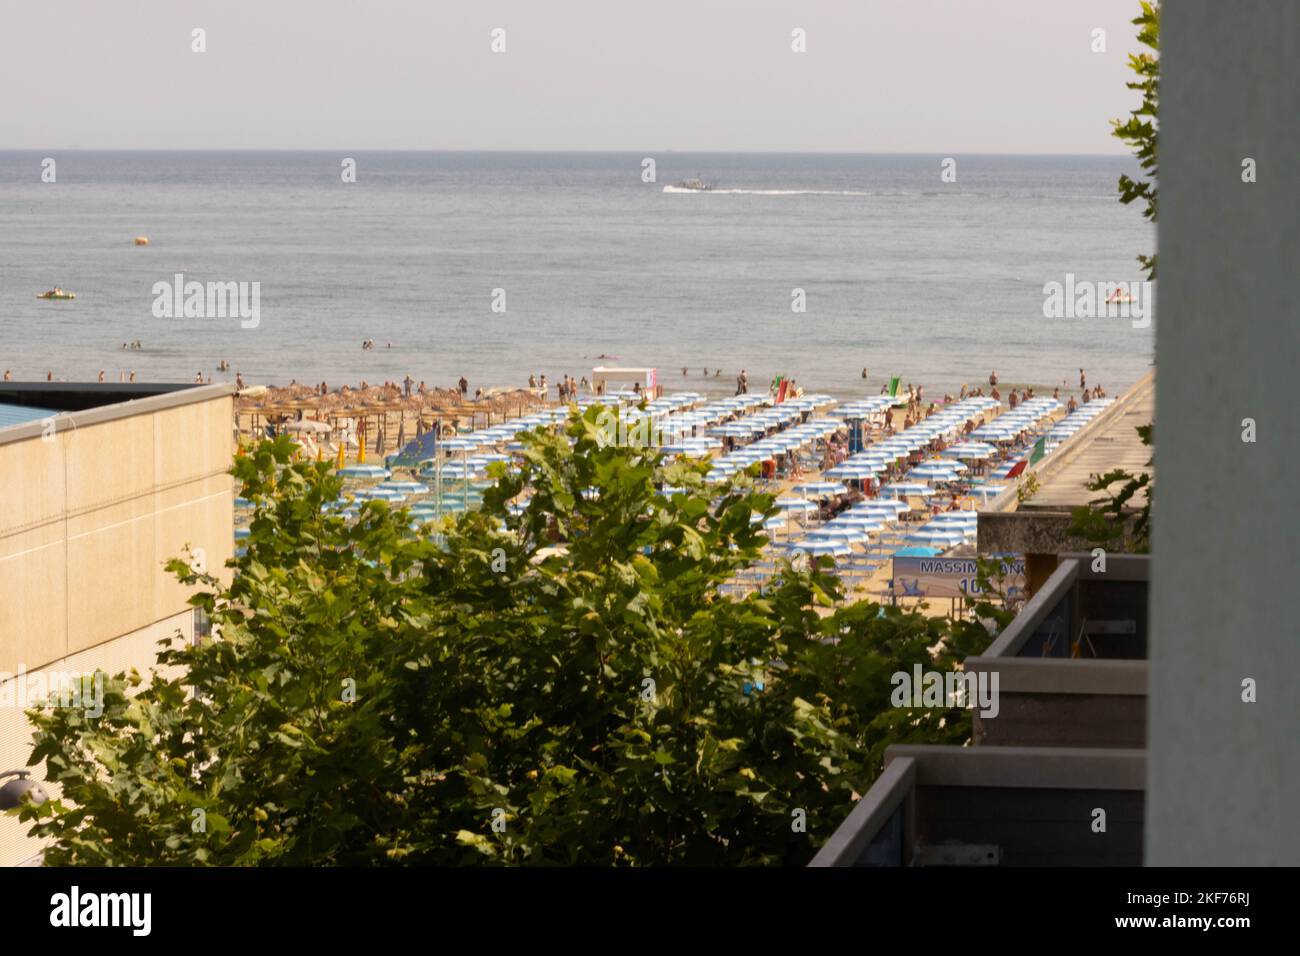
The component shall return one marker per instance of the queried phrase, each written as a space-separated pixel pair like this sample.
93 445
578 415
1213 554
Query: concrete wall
1224 774
89 518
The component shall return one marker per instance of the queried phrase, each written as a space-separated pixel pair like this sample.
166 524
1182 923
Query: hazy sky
878 76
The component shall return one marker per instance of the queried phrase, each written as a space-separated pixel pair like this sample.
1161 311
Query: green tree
1140 130
566 686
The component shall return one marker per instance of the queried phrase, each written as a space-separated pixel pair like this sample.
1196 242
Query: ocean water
902 273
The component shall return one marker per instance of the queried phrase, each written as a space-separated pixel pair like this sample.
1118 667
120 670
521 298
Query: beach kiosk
606 381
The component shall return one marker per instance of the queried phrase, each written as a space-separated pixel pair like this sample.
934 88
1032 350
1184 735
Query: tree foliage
1139 131
377 696
1117 520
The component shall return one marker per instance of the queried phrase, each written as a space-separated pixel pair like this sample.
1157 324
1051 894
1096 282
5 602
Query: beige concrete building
99 487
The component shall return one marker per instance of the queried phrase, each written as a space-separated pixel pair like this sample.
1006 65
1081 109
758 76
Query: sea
498 265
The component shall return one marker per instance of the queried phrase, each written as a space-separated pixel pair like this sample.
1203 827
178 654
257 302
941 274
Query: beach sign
935 577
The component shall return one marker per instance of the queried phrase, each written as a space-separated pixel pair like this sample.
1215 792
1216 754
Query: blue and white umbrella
801 505
364 472
972 451
908 489
404 487
818 548
820 489
937 536
830 532
858 522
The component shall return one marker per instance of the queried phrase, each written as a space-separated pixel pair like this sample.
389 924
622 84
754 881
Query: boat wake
766 192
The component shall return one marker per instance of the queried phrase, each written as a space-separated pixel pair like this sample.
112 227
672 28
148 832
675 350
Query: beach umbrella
817 548
308 426
795 504
858 522
820 489
364 471
972 451
890 506
404 487
853 472
910 489
916 551
831 532
937 536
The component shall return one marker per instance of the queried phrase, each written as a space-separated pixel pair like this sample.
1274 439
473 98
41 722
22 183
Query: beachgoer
993 377
683 371
239 380
1056 392
123 346
132 379
1071 405
101 374
49 376
994 394
532 381
864 374
1012 400
463 385
9 376
1083 380
407 383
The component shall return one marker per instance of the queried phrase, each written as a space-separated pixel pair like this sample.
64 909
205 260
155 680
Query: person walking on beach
408 382
1083 380
744 382
239 380
864 375
464 385
993 377
101 374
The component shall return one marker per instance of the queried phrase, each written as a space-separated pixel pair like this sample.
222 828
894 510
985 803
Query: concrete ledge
1049 768
852 837
156 398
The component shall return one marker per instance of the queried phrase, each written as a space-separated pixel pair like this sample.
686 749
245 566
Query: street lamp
19 789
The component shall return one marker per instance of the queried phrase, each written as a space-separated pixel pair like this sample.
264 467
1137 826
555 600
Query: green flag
1040 449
